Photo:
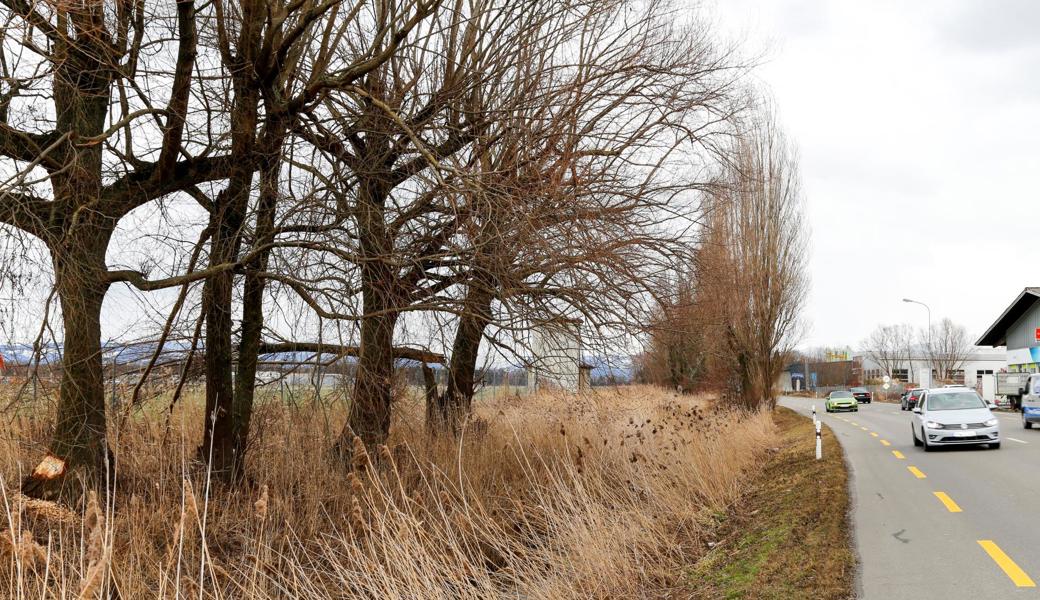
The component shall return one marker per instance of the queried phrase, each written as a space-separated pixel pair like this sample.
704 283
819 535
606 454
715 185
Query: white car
954 417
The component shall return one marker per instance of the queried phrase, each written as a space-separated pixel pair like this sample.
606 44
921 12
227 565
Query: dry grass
602 496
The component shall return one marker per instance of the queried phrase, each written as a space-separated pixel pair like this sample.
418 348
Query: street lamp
930 357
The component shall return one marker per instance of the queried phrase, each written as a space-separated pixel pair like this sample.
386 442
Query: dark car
862 395
910 399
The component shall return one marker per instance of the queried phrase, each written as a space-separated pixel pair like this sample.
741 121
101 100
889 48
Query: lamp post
931 359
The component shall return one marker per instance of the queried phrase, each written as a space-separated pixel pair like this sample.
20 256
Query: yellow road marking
854 423
947 502
898 454
917 472
873 433
885 443
864 429
1016 574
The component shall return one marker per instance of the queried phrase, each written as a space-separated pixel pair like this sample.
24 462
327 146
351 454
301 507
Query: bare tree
390 144
579 211
277 67
752 268
884 347
948 347
75 76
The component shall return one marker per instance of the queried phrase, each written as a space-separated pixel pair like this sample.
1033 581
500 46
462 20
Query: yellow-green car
843 400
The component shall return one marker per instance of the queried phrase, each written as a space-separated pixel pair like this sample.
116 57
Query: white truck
1012 386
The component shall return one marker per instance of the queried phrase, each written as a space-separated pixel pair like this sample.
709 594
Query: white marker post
819 441
814 414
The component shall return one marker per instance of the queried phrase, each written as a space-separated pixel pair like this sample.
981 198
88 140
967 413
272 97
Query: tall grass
550 496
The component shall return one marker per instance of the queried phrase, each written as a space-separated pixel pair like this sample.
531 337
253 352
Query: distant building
556 356
827 373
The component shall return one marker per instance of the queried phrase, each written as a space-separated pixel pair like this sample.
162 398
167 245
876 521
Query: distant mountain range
604 368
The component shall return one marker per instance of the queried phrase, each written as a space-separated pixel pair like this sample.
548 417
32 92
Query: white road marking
1019 441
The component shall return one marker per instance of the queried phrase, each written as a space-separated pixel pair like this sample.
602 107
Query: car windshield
955 401
841 394
859 389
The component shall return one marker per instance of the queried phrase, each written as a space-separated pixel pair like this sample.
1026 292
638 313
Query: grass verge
789 536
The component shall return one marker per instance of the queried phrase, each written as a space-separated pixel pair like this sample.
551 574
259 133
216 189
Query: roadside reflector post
819 441
814 413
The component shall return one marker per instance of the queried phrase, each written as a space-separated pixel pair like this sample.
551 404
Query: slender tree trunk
219 448
457 401
253 320
78 451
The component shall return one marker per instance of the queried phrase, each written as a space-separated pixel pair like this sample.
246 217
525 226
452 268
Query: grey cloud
992 25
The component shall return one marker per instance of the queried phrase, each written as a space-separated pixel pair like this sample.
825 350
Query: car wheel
994 446
924 442
855 409
913 433
1025 422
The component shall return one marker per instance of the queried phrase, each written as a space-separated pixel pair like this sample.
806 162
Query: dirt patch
789 536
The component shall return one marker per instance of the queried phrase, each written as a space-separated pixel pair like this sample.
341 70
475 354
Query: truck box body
1010 384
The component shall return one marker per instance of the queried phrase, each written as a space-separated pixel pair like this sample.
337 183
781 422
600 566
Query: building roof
996 335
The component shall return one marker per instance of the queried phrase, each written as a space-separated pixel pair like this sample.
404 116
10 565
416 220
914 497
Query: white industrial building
980 363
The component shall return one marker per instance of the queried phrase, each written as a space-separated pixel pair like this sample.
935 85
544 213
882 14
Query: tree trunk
373 385
370 408
219 448
432 395
457 401
252 320
77 453
218 441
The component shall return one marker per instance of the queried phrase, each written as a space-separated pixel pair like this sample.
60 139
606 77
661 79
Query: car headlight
933 425
991 423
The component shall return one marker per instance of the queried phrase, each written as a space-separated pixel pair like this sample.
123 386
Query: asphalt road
955 523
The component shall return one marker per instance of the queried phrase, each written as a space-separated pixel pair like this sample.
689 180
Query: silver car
954 417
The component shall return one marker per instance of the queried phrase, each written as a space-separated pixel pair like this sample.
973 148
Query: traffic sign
886 379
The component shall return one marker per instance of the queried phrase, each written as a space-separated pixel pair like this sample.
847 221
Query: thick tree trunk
370 407
78 451
373 385
217 443
455 404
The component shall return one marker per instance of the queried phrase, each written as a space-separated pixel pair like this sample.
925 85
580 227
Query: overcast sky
918 125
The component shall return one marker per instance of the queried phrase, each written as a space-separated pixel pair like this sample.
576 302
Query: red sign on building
1037 334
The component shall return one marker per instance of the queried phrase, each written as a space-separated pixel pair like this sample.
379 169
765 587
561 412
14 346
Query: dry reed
603 495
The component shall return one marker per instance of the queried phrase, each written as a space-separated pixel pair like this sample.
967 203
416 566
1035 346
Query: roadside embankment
789 535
